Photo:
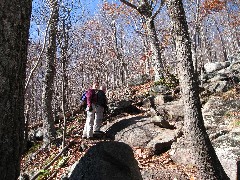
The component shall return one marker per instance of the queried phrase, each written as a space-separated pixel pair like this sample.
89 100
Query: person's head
95 85
103 88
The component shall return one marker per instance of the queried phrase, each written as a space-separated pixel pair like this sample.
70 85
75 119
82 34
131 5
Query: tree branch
129 4
158 10
40 55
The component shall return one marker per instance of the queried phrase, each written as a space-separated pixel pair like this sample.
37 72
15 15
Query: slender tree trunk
233 31
207 47
64 48
146 10
63 105
48 122
222 41
209 167
27 117
196 38
156 53
14 31
147 64
113 75
119 76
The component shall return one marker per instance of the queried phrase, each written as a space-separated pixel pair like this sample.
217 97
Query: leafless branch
129 4
40 55
158 10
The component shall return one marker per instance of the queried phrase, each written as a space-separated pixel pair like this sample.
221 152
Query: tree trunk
196 37
64 101
26 124
146 50
209 167
146 10
64 48
207 47
222 41
119 58
48 122
233 31
14 31
156 54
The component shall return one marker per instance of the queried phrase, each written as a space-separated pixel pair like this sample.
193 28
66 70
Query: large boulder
142 131
107 161
235 65
132 130
160 89
161 99
215 66
161 122
164 174
221 76
221 112
220 116
123 106
229 157
148 102
173 109
162 142
181 152
218 86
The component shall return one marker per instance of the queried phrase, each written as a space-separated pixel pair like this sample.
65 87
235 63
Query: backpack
101 98
83 100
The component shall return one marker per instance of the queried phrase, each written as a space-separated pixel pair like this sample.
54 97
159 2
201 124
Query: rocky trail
38 158
150 126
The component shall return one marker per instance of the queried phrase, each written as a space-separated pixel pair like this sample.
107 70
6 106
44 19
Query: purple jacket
91 97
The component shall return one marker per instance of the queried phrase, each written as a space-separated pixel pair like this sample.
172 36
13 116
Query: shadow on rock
107 161
123 124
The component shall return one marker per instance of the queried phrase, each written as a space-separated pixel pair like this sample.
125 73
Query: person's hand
89 108
106 110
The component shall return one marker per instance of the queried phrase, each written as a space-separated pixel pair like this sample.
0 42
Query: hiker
91 109
101 106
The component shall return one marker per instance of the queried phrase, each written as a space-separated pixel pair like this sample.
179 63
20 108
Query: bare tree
196 37
14 31
206 159
145 9
233 31
64 45
224 51
48 120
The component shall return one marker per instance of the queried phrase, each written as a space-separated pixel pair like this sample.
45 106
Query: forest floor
37 159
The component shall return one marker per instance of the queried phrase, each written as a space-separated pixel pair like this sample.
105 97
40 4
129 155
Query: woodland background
109 42
121 44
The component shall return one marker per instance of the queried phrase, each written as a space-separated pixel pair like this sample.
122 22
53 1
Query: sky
40 16
92 4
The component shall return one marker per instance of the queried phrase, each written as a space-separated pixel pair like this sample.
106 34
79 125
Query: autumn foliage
212 6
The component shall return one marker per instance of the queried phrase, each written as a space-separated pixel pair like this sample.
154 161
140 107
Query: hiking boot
91 138
84 137
98 132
